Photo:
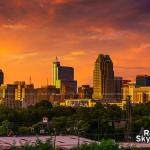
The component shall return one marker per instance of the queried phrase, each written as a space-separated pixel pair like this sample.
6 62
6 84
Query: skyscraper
1 77
14 95
103 78
63 78
55 75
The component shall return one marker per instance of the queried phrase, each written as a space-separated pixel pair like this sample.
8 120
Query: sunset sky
34 32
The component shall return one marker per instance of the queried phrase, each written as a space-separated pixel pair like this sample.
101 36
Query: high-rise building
55 75
141 94
128 90
103 78
1 77
63 78
8 96
137 94
142 80
19 90
30 97
118 82
17 95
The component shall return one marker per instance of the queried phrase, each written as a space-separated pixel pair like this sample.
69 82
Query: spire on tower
47 82
30 80
56 59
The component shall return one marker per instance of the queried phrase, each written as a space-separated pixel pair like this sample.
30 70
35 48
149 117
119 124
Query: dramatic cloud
36 31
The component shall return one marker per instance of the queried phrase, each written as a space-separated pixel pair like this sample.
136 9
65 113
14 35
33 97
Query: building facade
49 93
63 79
90 103
29 98
137 94
14 95
103 78
141 95
128 90
8 96
85 92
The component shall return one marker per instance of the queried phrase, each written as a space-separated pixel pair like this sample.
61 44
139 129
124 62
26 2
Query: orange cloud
59 1
14 26
34 32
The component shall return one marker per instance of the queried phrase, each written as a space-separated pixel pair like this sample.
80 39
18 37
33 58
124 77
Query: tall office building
1 77
55 75
14 95
137 94
103 78
142 80
63 78
8 96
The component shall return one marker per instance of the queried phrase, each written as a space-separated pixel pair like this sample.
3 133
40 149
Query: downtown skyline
49 81
34 32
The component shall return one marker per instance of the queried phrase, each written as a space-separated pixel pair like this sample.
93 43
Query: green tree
43 104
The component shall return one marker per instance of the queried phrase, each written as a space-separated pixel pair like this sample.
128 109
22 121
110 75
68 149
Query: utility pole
55 136
129 116
30 80
98 130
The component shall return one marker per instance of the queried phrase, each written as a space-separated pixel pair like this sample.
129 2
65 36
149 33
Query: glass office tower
103 78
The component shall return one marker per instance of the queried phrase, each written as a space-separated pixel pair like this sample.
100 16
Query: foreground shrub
25 131
105 145
38 146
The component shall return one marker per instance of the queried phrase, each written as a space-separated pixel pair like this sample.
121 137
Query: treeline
101 121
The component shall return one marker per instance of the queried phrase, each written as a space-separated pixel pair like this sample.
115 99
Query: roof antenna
30 80
56 59
47 82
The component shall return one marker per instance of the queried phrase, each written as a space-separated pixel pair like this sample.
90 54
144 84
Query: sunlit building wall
16 95
7 96
20 90
128 90
90 103
103 78
85 91
55 71
137 94
63 78
142 95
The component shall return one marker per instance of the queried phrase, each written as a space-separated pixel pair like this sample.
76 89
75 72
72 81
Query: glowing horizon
33 33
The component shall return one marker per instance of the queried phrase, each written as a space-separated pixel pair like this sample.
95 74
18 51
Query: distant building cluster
138 91
107 88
